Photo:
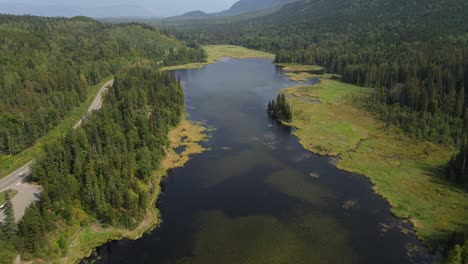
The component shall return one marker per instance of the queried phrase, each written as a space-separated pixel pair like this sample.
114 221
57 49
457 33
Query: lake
257 196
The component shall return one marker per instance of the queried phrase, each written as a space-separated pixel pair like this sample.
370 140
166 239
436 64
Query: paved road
97 102
28 193
15 177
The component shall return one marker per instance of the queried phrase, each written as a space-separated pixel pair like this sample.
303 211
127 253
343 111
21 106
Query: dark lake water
257 196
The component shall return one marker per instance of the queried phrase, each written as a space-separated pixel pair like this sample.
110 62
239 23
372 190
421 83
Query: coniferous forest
101 171
48 64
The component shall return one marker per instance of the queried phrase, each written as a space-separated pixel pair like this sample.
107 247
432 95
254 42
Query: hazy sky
157 7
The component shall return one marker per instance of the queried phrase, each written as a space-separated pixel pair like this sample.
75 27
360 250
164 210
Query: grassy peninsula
405 171
216 52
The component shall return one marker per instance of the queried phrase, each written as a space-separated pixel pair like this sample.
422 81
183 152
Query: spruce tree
280 108
9 224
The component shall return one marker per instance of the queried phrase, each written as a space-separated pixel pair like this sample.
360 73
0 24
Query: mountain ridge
241 7
248 6
197 14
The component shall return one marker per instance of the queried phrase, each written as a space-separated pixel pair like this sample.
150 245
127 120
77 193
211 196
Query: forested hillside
101 172
47 65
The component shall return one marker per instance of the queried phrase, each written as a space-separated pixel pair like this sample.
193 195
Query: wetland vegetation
408 172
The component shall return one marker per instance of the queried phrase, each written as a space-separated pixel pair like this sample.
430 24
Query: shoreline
401 169
216 52
187 134
302 73
362 139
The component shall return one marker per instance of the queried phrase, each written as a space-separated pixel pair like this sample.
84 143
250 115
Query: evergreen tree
280 108
103 169
457 168
9 225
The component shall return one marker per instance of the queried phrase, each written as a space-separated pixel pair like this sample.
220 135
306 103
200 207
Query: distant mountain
190 16
248 6
242 7
72 10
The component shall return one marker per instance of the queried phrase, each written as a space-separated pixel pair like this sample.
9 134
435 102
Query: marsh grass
292 67
299 76
405 171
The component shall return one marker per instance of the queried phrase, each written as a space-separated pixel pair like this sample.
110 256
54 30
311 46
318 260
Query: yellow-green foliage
299 76
305 76
292 67
302 73
216 52
9 163
405 171
187 135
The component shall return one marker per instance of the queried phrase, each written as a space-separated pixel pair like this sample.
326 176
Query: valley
252 192
259 131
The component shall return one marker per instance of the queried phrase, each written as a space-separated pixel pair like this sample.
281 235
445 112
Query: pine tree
9 225
280 109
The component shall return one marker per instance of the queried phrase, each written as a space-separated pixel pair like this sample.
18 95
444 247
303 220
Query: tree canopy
102 170
48 64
